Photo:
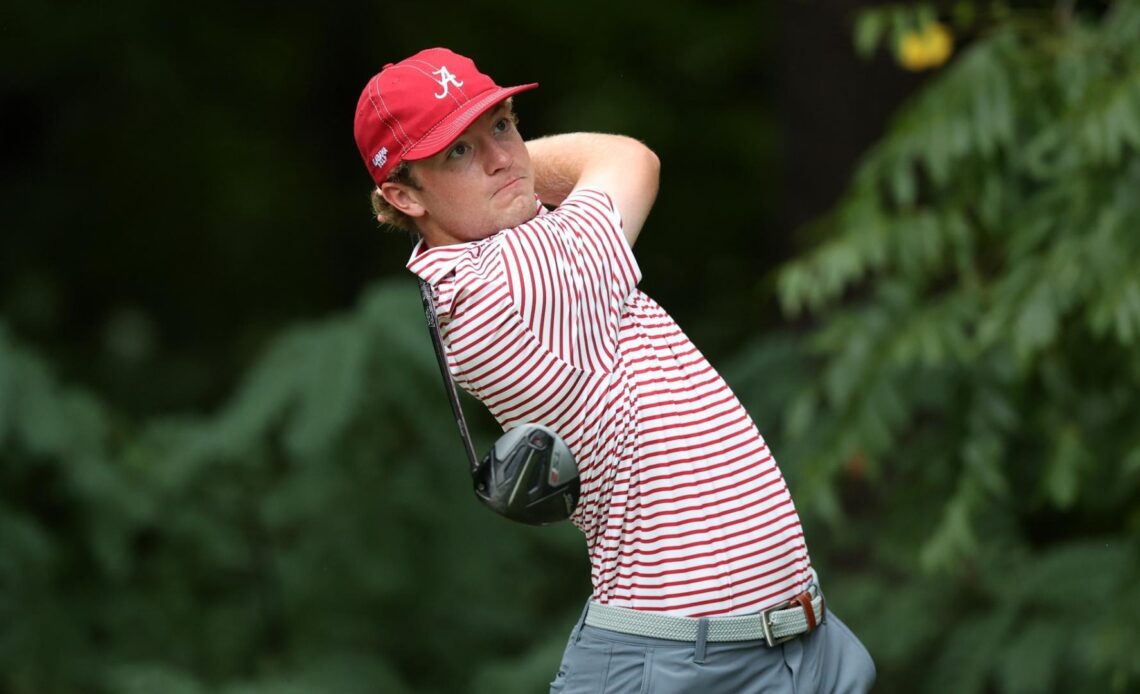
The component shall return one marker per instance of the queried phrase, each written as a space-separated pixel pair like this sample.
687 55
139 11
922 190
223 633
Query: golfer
702 581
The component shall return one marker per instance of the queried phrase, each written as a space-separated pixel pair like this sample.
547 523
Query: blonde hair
384 211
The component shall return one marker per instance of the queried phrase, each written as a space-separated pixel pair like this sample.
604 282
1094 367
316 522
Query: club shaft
448 381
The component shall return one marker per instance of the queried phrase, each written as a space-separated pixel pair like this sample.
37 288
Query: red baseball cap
415 108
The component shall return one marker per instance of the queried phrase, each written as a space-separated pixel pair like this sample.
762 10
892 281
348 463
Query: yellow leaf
939 44
929 48
912 52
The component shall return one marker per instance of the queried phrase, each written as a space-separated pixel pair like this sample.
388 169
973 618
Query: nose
497 157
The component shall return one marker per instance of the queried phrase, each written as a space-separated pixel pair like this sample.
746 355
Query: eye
458 150
503 125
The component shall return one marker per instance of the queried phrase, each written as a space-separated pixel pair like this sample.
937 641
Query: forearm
560 160
621 166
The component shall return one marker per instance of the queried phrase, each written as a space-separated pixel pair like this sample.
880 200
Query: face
481 183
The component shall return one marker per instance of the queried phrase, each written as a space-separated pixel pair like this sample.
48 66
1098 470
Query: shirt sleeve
570 273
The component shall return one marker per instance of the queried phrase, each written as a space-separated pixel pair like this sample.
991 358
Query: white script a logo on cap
445 79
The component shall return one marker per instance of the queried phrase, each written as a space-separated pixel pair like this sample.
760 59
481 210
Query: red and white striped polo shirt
683 507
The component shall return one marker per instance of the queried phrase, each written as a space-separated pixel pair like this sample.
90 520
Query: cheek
455 202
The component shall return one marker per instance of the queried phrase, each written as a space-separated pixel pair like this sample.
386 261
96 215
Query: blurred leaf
147 679
1030 661
869 28
965 663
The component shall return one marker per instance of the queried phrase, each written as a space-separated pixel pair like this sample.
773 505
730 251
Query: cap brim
450 128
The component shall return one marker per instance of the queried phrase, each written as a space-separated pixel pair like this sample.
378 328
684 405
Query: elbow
654 165
649 158
649 164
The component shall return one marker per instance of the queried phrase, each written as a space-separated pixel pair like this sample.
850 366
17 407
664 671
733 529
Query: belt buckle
771 640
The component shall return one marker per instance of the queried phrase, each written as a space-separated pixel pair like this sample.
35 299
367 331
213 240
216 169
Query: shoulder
593 204
588 213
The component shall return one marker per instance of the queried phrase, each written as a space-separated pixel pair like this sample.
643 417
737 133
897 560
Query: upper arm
569 275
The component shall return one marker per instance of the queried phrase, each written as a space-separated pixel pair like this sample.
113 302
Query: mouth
508 185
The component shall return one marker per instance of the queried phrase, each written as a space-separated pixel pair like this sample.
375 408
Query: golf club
529 475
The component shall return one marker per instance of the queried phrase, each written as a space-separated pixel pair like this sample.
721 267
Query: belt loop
819 591
702 640
577 633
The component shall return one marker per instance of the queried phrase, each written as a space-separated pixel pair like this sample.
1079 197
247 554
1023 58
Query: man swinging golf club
701 576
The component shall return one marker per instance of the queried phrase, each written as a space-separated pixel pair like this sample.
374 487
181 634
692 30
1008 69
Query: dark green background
226 463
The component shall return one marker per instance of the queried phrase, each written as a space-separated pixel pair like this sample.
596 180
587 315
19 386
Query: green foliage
316 534
888 24
969 433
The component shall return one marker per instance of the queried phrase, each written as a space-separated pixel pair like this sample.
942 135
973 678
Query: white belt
774 625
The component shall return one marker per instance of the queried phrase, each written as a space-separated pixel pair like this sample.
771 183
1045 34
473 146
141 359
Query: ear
403 198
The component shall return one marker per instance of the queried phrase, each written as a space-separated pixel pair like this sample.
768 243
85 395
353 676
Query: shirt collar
433 264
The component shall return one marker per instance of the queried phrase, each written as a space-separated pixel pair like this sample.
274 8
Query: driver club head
529 476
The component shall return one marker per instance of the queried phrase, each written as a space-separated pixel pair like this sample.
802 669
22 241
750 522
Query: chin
522 212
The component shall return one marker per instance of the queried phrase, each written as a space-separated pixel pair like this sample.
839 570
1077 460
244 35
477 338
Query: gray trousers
599 661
